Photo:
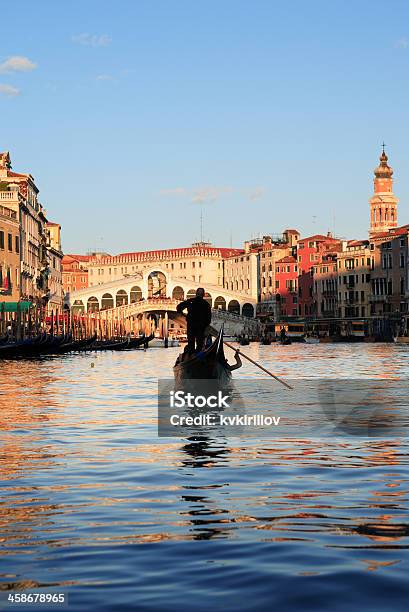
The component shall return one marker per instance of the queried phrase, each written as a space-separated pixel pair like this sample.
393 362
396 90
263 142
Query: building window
1 240
10 242
17 242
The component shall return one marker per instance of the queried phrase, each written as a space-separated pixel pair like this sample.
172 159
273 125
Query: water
95 505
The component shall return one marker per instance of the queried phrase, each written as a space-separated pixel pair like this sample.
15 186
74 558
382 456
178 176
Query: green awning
15 306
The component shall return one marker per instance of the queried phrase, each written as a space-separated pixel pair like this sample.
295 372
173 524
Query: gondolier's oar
214 332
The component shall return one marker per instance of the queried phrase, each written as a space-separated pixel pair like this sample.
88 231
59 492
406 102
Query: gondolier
199 316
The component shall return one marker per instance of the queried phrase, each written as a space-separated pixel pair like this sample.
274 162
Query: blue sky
134 115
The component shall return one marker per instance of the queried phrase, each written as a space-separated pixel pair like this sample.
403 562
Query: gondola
142 341
30 347
210 364
109 345
74 345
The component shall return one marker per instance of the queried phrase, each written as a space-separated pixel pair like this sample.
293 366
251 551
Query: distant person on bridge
199 315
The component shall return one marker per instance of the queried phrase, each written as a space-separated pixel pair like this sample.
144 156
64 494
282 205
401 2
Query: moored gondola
141 341
210 364
109 345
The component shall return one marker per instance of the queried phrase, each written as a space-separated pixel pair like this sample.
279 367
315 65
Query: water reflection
92 499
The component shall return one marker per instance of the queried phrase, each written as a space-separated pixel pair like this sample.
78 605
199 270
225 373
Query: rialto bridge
155 291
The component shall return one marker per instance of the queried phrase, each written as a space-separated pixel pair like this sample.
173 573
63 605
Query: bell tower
384 204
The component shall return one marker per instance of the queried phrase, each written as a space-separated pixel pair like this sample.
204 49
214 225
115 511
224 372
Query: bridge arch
178 293
121 297
220 303
234 306
247 310
135 294
92 304
157 282
107 301
153 281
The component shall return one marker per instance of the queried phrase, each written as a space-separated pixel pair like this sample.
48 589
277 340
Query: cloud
9 90
176 191
199 195
402 43
209 194
257 193
92 40
17 63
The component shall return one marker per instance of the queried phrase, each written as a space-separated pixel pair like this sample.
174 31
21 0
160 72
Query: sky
136 116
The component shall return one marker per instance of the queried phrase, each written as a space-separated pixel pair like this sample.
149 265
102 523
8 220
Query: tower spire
384 204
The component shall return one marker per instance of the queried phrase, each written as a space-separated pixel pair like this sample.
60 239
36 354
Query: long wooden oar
215 333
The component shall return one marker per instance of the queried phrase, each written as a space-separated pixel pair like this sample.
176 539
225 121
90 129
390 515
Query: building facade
286 286
310 253
9 255
20 194
354 279
200 263
55 256
326 286
389 274
75 272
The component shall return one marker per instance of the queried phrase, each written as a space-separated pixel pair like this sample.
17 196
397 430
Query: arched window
178 294
92 304
121 297
220 303
107 301
234 306
191 294
136 294
247 310
156 284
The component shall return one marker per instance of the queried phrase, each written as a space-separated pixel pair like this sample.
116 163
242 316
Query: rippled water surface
94 504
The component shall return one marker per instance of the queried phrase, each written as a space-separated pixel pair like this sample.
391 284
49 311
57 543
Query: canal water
95 505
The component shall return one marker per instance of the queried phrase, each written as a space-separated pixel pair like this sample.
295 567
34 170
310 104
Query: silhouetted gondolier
199 315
